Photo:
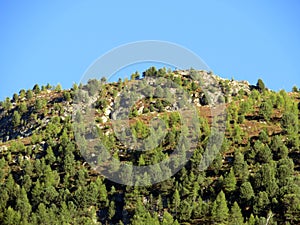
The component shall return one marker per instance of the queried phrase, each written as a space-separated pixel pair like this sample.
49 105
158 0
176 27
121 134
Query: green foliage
6 104
246 191
23 108
220 210
58 88
240 167
295 89
93 86
236 217
135 76
266 110
67 96
29 94
151 72
16 119
12 217
261 205
176 201
44 178
230 181
22 94
289 123
36 89
15 97
260 85
39 105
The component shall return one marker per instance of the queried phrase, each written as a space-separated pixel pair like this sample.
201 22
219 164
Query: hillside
254 178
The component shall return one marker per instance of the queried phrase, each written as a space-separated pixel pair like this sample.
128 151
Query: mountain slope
45 179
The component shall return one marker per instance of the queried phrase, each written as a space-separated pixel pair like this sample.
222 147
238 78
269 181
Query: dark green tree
240 166
23 108
295 89
220 210
111 210
23 205
236 217
67 96
135 76
6 104
11 217
266 110
246 191
29 94
36 89
261 205
58 88
289 123
16 119
230 181
15 97
260 85
185 210
167 219
176 201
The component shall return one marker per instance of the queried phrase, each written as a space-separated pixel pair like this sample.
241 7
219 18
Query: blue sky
55 41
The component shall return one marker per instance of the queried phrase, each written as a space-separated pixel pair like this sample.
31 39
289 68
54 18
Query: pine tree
22 93
29 94
140 215
251 220
266 110
36 89
23 205
230 181
236 217
6 104
50 157
11 217
264 154
261 205
246 191
16 119
167 219
289 122
58 88
260 85
111 210
42 214
15 97
220 210
176 201
23 108
103 194
185 211
64 214
240 167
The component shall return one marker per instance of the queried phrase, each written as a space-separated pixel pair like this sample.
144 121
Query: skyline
56 42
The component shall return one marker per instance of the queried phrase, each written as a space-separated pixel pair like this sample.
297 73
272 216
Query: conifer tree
16 118
230 181
220 210
236 217
246 191
260 85
176 201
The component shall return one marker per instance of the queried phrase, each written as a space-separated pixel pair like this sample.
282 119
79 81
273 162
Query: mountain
52 158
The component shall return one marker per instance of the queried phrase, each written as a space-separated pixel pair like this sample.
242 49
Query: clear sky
55 41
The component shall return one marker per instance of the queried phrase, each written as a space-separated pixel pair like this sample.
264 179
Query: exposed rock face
213 85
